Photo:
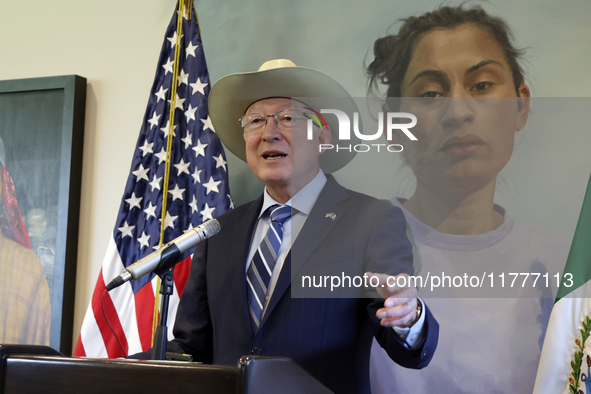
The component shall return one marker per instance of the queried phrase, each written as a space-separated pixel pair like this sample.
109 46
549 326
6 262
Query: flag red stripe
144 311
79 351
111 344
181 273
113 348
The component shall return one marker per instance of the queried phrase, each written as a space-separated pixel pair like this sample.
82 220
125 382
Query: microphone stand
170 256
160 338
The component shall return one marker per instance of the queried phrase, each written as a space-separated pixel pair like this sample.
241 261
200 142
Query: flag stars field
212 185
168 67
190 51
193 205
165 129
161 95
172 39
126 230
154 120
220 162
190 114
183 78
179 102
199 149
196 176
144 240
188 140
150 210
207 212
134 201
146 148
182 167
198 86
207 124
177 193
169 220
161 156
141 173
155 184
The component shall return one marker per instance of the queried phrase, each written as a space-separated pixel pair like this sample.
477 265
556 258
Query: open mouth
273 155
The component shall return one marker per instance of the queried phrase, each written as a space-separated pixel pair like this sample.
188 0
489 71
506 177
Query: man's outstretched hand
400 305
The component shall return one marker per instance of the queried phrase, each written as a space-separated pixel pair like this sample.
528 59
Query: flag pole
183 5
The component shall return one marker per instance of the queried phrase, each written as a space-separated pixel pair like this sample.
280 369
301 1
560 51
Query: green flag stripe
579 258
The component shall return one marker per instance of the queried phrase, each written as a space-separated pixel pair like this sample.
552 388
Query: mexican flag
565 364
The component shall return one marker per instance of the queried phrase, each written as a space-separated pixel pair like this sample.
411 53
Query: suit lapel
315 230
242 230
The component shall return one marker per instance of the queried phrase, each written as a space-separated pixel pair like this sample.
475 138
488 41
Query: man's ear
522 106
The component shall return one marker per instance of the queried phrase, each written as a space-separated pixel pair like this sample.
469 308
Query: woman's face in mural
460 87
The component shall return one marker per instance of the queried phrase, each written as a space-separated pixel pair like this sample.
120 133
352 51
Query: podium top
54 373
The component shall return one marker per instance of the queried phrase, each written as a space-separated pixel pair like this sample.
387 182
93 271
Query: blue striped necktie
260 269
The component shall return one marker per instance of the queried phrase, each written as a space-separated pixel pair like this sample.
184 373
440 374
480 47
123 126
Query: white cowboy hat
231 96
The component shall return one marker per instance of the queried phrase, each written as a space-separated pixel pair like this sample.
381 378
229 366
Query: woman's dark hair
393 52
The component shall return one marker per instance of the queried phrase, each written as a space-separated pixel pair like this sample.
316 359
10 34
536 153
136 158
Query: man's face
285 160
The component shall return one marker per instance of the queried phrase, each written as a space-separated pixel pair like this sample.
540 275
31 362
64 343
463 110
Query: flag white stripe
559 345
123 299
91 337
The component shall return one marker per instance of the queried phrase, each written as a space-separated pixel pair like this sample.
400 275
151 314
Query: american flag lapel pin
331 215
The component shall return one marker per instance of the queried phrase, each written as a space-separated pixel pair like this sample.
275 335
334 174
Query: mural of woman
457 71
25 309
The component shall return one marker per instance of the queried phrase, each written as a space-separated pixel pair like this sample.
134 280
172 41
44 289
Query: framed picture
42 129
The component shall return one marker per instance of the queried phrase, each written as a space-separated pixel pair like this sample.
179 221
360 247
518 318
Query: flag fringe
188 6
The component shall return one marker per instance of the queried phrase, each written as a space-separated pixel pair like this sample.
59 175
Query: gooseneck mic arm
167 256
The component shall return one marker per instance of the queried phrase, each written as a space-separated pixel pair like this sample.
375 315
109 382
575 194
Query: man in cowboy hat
237 299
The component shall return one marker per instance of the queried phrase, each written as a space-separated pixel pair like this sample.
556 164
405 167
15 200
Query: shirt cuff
413 335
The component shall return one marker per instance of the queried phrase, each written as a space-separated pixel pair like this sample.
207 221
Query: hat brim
231 96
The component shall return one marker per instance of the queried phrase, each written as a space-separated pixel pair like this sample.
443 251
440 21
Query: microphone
168 255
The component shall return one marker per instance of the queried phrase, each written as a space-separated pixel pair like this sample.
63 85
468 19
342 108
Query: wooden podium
40 369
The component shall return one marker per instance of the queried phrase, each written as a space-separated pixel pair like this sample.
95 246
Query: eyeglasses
285 120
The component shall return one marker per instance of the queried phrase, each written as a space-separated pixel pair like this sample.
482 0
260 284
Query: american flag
197 191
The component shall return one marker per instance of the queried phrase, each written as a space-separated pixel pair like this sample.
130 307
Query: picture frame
42 127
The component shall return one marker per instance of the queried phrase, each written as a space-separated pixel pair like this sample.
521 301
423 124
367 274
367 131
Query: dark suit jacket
329 337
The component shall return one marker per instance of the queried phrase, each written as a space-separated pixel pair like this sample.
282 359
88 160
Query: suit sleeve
389 251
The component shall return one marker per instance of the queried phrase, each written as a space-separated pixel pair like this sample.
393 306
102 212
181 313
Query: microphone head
211 227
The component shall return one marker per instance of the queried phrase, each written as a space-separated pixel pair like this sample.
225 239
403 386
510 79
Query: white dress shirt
301 203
